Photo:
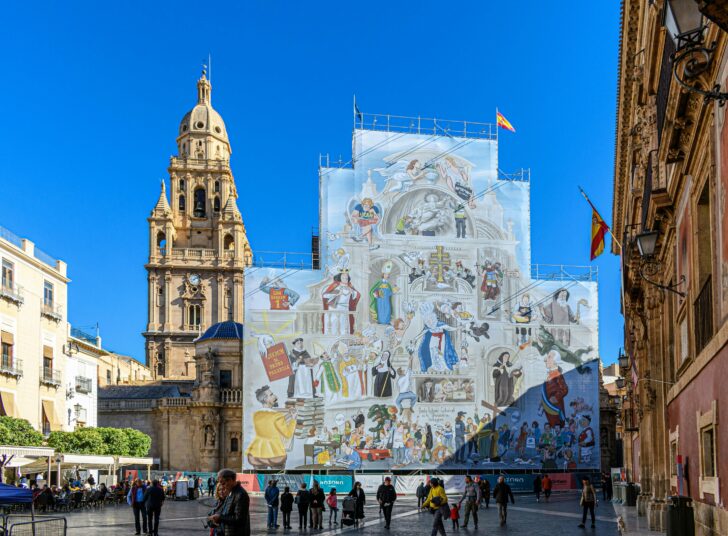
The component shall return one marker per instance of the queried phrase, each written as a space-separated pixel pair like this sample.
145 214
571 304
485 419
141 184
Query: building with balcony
84 353
203 414
670 188
33 334
120 369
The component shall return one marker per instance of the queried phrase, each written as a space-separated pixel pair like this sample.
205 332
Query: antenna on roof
209 67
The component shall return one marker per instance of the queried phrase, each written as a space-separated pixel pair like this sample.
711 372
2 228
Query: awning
8 401
7 338
27 452
86 460
49 409
131 460
48 351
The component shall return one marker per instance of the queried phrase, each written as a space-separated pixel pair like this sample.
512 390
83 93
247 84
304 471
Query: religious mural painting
423 341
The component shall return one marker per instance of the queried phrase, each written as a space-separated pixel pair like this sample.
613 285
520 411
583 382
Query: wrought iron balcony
52 311
11 367
12 293
51 377
84 385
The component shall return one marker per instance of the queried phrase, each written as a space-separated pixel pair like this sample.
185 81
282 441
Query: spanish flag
503 122
598 231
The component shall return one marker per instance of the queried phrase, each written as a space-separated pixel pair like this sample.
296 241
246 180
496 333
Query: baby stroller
348 511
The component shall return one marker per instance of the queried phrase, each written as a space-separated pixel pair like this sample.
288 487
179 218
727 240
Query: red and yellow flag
598 232
503 122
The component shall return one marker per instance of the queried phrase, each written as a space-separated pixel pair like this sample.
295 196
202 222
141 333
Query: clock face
195 279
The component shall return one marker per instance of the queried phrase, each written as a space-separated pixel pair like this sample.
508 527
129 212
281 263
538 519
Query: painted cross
438 260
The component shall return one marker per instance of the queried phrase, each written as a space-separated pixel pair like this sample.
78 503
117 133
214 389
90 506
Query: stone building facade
671 178
198 248
33 331
194 424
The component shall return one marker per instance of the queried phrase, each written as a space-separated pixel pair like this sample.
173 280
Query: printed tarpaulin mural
423 342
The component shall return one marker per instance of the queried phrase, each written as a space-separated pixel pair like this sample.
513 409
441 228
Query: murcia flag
599 230
503 122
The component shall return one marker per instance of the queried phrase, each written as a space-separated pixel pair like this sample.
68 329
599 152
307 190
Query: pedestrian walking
271 499
485 491
546 484
587 501
421 495
153 500
135 498
303 500
211 486
471 497
332 501
386 495
286 507
361 499
501 493
455 516
606 487
317 505
537 488
436 501
234 515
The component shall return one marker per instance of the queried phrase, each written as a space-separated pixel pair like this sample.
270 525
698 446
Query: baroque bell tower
198 248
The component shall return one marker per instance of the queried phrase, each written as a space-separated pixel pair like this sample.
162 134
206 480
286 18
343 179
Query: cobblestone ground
560 517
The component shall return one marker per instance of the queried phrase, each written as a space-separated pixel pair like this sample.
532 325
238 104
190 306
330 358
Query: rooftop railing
426 125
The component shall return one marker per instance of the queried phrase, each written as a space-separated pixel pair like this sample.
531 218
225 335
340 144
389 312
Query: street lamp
691 57
646 244
620 383
623 360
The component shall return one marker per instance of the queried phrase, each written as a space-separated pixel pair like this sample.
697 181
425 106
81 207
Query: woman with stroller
358 493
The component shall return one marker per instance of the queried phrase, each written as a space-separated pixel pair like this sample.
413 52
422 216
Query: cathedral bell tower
198 248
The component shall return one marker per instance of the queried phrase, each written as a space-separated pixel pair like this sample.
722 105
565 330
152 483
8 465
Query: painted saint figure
554 390
383 374
505 377
436 349
559 313
380 297
267 450
341 299
351 384
297 356
492 277
328 379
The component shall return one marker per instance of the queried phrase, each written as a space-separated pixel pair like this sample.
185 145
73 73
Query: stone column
167 301
152 299
220 299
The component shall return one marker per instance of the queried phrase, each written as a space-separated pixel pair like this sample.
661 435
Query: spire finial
203 87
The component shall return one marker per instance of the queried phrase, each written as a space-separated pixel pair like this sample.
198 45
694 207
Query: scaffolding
425 125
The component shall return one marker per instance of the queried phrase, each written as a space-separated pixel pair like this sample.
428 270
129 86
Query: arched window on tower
217 187
228 243
161 243
181 185
216 204
199 209
194 316
160 364
233 444
182 205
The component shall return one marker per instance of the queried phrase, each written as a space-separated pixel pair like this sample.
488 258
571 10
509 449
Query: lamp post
646 245
692 57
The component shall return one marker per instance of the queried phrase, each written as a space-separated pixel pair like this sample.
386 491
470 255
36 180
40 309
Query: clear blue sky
93 95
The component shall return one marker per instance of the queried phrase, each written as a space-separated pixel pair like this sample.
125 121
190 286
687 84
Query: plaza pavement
560 517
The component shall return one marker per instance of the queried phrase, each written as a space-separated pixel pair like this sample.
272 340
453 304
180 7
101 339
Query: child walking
333 503
455 516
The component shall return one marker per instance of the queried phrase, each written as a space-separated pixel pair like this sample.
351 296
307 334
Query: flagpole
609 228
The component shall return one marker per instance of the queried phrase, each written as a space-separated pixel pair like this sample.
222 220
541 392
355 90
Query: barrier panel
50 526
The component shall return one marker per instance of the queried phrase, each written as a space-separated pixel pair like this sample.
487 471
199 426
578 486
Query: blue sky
94 93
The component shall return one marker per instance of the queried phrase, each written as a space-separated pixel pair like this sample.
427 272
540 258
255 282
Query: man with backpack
437 503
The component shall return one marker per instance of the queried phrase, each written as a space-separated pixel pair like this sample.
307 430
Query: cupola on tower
198 248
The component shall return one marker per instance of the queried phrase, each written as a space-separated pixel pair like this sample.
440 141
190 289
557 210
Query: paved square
559 517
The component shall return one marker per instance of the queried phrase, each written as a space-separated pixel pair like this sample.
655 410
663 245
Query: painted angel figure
401 175
365 216
341 260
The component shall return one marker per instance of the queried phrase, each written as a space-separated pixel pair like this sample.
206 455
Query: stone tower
198 248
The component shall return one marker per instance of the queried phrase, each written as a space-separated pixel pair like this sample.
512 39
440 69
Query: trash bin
631 495
680 517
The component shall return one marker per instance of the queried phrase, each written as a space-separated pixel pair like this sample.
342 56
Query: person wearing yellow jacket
437 503
272 427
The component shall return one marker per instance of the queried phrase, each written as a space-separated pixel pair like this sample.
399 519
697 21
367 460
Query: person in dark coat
234 517
537 487
386 495
421 494
271 498
286 507
501 493
303 500
358 493
485 491
153 499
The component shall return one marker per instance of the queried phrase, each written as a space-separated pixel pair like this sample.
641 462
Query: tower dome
202 132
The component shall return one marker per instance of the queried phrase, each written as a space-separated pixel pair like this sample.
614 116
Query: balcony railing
12 293
703 316
51 311
84 385
127 404
11 367
48 376
231 396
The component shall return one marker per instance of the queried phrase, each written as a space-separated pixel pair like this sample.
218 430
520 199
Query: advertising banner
249 481
407 485
369 483
427 340
519 483
562 481
342 483
292 481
